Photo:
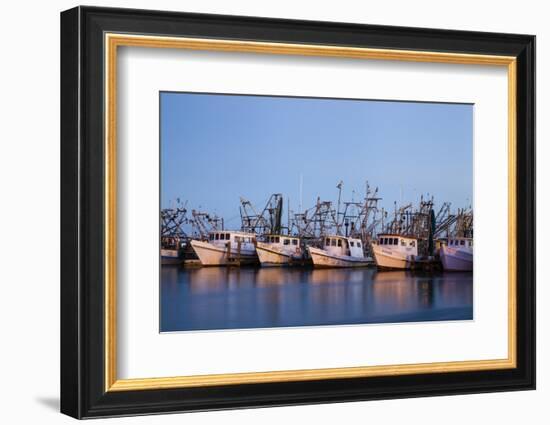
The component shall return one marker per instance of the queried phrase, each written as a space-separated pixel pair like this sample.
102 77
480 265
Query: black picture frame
83 392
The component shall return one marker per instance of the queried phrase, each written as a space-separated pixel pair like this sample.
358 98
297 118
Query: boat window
217 236
294 241
469 243
358 244
352 243
395 241
327 242
339 242
403 243
277 239
211 236
333 242
286 241
462 242
412 243
385 241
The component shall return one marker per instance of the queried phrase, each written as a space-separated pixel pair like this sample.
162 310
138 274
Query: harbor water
211 298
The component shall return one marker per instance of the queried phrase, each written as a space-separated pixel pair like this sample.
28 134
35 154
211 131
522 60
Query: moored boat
394 251
280 250
226 248
457 255
172 251
339 251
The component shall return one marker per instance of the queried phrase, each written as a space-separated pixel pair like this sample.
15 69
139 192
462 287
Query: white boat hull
171 257
322 258
211 255
387 259
455 259
270 255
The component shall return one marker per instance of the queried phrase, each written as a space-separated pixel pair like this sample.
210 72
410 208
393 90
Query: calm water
237 298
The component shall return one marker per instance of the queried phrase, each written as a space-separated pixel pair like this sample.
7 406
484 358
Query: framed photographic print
261 212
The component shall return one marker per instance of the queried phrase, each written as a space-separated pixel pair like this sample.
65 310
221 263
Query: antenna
301 191
339 187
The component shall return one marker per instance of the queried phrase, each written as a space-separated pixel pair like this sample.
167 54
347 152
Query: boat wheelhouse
458 254
226 247
280 250
393 251
339 251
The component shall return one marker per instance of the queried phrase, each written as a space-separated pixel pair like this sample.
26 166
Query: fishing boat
280 250
172 251
339 251
458 254
393 251
226 248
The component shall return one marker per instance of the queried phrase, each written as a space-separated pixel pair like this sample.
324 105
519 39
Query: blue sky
217 148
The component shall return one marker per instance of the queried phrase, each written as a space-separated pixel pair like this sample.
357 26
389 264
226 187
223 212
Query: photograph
285 211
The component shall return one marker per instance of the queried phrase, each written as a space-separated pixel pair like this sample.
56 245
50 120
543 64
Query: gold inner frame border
113 40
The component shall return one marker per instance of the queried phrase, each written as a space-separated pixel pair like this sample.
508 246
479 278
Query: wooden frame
90 37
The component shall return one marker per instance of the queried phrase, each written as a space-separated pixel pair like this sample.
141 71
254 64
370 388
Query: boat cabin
222 237
341 245
399 243
283 240
460 242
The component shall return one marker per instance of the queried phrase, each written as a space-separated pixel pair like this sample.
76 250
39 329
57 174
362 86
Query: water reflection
236 298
